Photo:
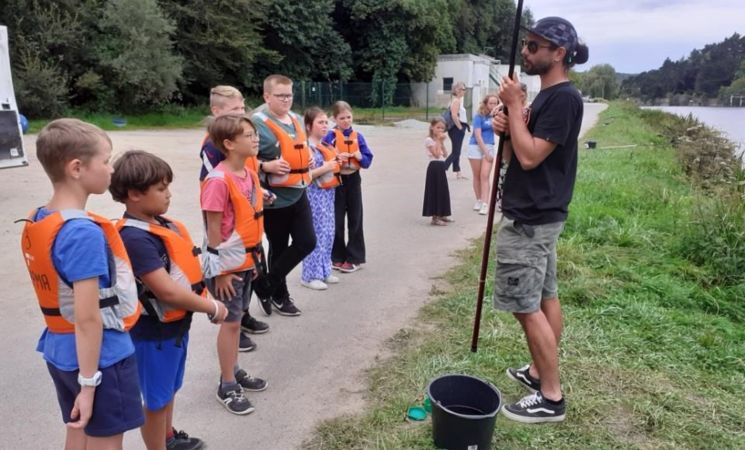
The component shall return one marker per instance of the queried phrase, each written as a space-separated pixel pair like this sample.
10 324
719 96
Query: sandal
438 222
447 219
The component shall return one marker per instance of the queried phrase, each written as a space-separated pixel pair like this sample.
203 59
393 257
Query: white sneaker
317 285
331 279
477 205
484 209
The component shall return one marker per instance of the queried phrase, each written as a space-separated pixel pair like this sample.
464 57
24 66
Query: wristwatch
93 381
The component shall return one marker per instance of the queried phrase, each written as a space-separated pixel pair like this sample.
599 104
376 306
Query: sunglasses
533 46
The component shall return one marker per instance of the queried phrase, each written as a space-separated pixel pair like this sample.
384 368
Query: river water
730 121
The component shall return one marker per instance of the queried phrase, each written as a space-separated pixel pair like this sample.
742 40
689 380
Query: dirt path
314 363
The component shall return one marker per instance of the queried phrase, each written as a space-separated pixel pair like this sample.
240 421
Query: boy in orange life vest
354 154
229 100
233 205
170 276
284 158
71 256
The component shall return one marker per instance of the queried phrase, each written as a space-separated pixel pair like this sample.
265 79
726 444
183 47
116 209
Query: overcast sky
637 35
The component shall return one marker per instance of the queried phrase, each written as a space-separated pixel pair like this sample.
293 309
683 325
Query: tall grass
652 353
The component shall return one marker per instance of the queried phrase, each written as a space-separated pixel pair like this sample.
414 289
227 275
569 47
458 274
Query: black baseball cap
556 30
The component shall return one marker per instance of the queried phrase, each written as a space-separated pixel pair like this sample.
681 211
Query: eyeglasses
533 46
283 97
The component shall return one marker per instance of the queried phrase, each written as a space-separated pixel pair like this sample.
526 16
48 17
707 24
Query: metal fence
378 101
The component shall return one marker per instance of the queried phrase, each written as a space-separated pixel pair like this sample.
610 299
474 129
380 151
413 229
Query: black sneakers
249 383
234 401
253 326
522 376
535 409
246 344
182 441
286 307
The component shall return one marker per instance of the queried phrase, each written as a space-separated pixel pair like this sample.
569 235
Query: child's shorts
117 406
239 303
160 365
474 152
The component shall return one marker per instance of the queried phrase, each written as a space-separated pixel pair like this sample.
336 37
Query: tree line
139 55
716 71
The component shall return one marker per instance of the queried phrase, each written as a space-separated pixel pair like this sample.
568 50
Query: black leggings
280 224
348 204
456 137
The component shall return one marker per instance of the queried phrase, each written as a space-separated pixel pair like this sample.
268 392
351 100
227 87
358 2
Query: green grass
170 117
193 117
652 355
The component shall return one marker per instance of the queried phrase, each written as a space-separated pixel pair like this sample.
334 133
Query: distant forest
707 76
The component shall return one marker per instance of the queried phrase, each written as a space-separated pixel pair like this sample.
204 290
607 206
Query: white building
481 74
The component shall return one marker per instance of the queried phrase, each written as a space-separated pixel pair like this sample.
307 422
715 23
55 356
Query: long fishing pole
493 194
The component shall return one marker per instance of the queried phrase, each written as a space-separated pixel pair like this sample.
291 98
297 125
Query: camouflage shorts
526 265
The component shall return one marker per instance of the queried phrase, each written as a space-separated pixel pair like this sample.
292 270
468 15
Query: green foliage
485 26
135 54
305 38
600 81
702 74
219 43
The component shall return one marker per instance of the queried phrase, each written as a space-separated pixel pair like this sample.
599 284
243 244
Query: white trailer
11 136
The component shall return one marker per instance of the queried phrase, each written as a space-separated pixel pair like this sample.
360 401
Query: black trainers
522 376
246 344
535 409
249 383
182 441
253 326
234 401
286 307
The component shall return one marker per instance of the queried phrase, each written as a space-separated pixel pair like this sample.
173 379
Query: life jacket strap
102 303
303 170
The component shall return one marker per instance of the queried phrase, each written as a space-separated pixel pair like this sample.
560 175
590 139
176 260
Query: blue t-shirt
80 252
148 253
487 132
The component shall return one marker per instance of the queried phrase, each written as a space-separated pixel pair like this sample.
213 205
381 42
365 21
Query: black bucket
590 144
464 409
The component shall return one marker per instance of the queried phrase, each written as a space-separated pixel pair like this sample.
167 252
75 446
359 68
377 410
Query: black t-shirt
542 195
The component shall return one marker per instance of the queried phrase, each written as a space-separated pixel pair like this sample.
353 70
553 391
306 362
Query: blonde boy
71 254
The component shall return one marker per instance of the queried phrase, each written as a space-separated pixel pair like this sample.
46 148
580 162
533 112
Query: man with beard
537 191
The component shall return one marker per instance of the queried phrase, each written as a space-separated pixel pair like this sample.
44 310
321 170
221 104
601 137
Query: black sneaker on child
182 441
249 383
246 344
523 377
253 326
286 307
234 401
535 409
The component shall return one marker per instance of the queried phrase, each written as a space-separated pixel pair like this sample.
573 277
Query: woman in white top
436 193
458 131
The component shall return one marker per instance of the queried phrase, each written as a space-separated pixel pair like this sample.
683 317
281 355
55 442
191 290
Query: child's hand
224 286
329 166
82 409
222 313
344 157
277 166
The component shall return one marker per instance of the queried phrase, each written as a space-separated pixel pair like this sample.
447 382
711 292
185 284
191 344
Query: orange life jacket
242 250
331 179
293 150
251 162
118 304
184 269
347 144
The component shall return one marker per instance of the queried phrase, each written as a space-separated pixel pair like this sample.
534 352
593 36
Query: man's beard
538 68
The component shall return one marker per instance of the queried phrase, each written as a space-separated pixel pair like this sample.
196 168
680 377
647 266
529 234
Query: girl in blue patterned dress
317 266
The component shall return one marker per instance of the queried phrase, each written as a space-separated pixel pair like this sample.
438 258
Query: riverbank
652 353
